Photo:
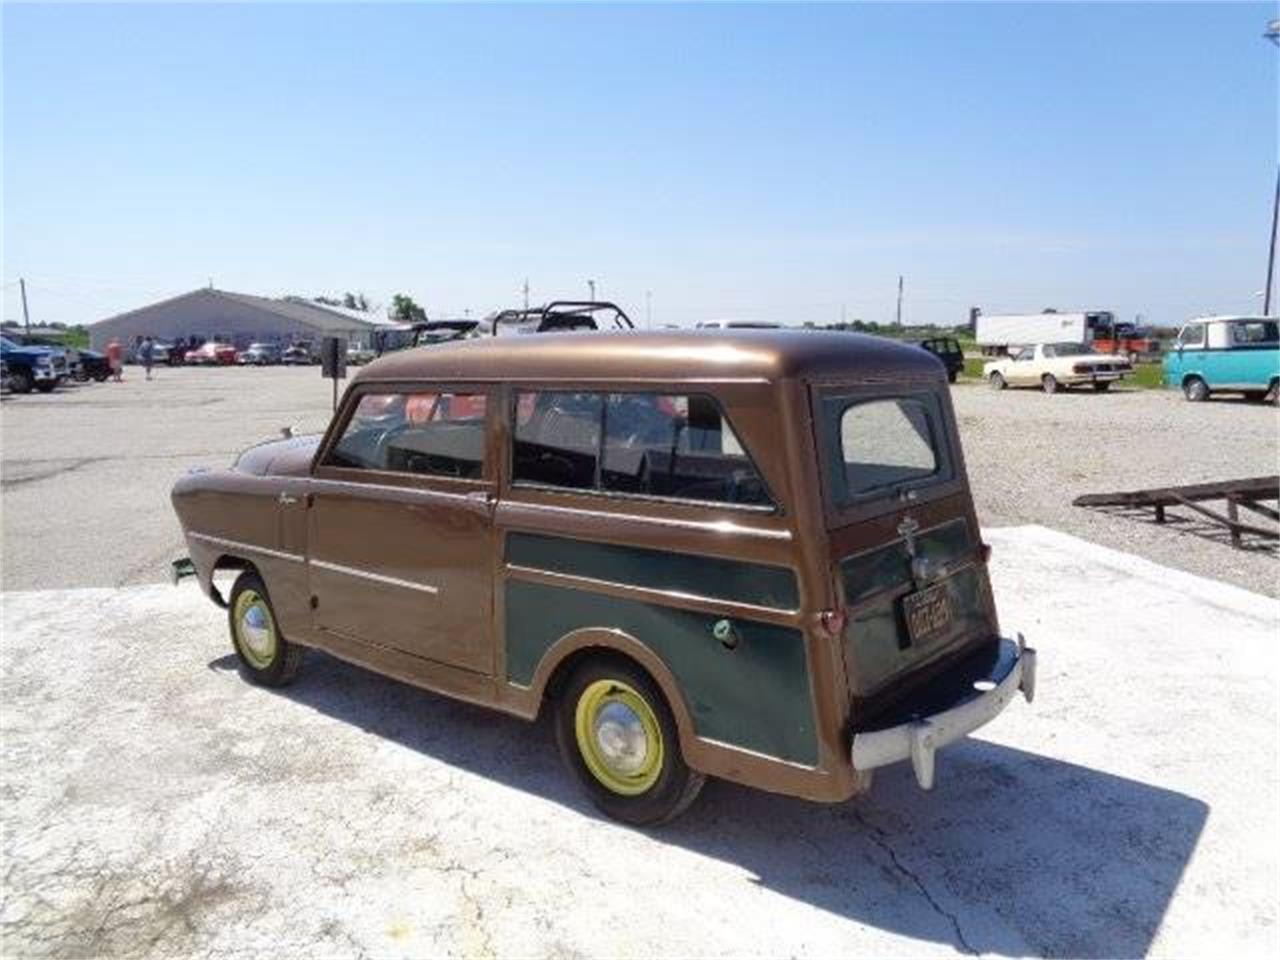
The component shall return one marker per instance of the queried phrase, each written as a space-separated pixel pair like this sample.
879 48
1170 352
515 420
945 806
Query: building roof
295 309
662 356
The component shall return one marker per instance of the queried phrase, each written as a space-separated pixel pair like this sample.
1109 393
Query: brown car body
776 633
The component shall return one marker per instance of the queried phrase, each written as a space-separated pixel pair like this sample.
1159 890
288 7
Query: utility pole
26 317
591 285
1271 256
899 300
648 309
526 293
842 316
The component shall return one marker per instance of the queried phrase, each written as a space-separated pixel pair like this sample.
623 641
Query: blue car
30 367
1226 355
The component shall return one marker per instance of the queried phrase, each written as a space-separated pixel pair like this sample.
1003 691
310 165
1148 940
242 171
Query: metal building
236 318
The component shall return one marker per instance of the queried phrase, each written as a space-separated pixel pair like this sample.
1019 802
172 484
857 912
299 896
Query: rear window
880 447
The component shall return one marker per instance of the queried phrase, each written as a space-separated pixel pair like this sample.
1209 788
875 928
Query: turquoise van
1226 355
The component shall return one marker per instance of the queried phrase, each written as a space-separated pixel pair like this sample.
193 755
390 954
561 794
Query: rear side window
882 446
1251 332
429 433
648 444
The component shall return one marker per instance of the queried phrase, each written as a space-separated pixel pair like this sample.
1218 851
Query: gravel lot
86 471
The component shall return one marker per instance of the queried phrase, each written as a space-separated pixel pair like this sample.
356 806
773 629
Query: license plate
927 613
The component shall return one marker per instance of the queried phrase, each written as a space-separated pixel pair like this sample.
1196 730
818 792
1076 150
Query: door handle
481 496
285 499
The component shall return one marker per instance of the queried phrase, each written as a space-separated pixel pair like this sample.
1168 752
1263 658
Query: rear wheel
1049 383
1195 390
618 737
997 381
1273 394
268 658
21 381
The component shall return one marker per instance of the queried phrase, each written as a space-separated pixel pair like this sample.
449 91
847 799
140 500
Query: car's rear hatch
905 550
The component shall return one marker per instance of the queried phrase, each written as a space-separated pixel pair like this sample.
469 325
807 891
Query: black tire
46 386
1273 393
101 376
280 666
1195 390
675 786
1102 386
997 381
21 381
953 376
1049 383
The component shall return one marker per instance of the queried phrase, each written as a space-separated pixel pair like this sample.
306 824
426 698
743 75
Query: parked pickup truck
30 367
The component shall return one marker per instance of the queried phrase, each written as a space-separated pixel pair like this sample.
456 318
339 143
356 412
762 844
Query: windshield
881 446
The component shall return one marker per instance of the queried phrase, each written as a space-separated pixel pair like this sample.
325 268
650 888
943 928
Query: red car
211 353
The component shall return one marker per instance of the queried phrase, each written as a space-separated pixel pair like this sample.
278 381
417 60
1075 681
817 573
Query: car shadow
1012 853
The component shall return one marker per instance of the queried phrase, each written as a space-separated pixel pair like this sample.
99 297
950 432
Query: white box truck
996 333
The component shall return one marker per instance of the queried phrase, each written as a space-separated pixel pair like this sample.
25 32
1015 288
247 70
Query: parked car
1226 355
358 356
66 360
211 353
260 355
93 366
4 378
296 356
1056 366
31 367
946 349
609 528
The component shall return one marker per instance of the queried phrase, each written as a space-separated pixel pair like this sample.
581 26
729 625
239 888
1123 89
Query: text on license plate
927 613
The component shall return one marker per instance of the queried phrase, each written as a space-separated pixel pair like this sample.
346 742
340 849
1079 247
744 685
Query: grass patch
1148 376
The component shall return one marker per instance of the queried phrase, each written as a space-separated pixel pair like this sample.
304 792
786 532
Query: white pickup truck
1055 366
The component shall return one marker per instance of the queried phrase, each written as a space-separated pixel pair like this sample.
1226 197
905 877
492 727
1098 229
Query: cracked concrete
156 805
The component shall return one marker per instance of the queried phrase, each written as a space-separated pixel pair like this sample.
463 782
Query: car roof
660 355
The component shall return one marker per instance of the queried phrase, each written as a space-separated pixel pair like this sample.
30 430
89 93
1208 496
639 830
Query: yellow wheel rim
618 737
255 629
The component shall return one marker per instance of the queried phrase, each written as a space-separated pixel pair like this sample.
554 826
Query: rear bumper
919 738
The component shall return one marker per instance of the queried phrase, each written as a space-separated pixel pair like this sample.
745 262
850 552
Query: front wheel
997 382
268 658
1049 383
618 737
1195 390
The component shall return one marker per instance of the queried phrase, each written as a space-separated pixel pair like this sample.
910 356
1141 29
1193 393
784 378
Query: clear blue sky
765 161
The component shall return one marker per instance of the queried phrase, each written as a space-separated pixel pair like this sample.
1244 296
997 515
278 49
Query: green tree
404 310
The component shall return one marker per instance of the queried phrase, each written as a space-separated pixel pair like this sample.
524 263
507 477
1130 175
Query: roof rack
559 315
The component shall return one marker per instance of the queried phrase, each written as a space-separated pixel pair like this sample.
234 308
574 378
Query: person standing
115 358
146 352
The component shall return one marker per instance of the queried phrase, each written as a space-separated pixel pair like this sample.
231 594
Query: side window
675 446
433 434
1192 335
661 445
557 439
1252 332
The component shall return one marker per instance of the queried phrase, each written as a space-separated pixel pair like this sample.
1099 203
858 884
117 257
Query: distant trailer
1098 329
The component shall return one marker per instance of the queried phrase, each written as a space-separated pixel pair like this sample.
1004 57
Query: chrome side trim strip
709 526
375 577
250 547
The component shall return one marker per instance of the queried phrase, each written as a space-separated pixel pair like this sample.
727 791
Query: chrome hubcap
620 738
255 630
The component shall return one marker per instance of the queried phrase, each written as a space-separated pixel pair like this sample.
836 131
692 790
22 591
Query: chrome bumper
920 739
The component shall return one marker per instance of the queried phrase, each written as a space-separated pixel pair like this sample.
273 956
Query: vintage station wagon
742 554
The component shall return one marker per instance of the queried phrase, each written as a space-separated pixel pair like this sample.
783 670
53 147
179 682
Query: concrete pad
156 804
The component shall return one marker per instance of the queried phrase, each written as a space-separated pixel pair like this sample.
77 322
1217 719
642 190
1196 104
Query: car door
400 524
1021 370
